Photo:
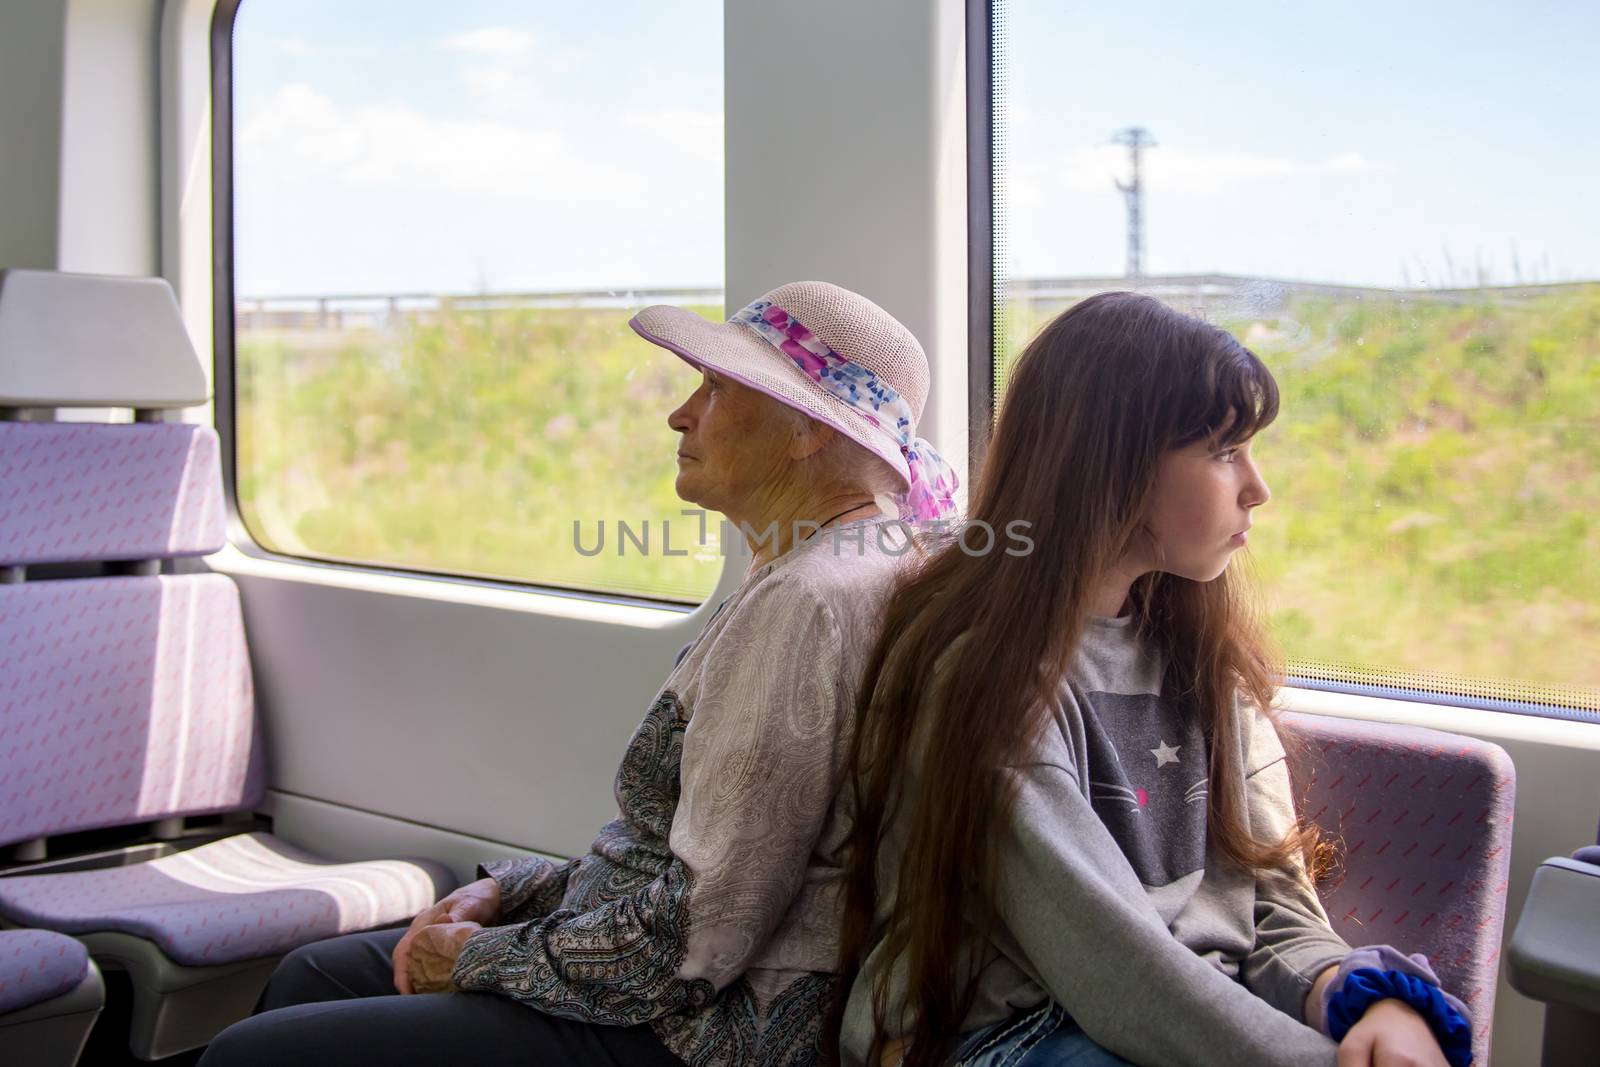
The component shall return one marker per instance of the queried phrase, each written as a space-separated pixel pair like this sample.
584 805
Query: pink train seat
90 491
1422 820
242 898
130 701
50 996
127 699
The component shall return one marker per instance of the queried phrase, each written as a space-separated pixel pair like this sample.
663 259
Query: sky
499 145
1408 141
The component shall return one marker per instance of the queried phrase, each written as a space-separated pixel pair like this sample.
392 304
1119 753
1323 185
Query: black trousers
334 1003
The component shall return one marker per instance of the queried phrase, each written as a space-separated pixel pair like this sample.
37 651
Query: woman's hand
1391 1034
433 955
477 903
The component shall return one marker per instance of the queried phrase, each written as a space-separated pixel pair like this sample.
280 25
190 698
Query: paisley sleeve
759 771
530 887
617 964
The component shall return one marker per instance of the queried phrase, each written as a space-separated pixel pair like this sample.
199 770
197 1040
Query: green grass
470 444
1436 480
1435 468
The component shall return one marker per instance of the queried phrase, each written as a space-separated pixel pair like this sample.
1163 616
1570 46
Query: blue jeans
1038 1037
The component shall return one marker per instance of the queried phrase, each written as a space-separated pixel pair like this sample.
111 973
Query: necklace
823 524
813 533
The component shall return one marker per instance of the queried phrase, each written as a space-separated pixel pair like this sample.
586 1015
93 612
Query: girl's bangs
1242 400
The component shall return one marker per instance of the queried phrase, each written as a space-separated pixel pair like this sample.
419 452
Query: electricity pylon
1137 138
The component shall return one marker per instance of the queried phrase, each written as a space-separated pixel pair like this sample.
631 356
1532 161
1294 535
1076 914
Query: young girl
1075 838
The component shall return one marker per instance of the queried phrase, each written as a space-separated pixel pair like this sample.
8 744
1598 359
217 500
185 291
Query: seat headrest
89 340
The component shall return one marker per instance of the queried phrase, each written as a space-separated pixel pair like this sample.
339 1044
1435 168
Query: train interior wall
410 714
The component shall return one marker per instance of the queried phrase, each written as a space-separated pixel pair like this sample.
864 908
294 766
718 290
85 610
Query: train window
444 215
1393 206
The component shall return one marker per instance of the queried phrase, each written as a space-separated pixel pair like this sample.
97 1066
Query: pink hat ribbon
933 482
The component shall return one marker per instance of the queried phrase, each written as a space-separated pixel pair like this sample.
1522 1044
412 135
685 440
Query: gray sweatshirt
1110 901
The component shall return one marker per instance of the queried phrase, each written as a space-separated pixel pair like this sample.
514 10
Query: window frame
224 376
983 18
982 230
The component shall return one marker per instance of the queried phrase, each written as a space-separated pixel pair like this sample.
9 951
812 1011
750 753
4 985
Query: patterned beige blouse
709 908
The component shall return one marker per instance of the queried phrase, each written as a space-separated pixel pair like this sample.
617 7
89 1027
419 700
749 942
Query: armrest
1555 950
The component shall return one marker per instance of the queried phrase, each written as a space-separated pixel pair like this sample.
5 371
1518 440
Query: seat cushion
36 965
240 898
72 491
126 700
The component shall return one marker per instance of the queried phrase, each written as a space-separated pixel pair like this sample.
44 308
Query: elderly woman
702 925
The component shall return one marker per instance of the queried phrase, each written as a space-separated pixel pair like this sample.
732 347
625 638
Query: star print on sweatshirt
1150 797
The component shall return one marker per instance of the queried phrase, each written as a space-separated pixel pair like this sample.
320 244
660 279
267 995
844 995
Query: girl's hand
1390 1034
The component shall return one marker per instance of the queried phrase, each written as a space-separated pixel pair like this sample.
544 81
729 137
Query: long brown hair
1094 401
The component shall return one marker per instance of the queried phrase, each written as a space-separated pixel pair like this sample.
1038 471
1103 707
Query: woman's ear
809 439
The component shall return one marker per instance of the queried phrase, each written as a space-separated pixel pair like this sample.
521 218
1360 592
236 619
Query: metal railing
1253 295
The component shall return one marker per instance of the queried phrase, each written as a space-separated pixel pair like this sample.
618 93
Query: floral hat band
933 482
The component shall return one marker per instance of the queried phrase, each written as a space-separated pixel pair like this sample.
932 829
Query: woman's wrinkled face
1201 507
731 446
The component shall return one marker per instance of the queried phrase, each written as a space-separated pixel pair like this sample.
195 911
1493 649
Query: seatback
128 693
1422 823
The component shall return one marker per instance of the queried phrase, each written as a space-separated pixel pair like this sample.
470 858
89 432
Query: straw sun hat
833 355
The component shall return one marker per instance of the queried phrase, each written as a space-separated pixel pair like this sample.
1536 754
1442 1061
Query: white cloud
499 41
696 133
295 45
495 71
504 91
504 191
1354 163
1175 170
301 132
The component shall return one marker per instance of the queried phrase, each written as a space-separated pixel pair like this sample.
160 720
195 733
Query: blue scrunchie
1365 986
